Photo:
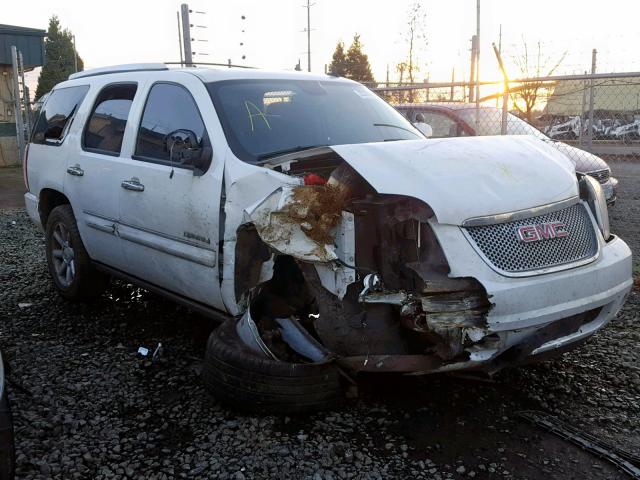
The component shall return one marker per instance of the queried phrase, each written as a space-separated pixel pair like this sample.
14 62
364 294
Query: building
30 42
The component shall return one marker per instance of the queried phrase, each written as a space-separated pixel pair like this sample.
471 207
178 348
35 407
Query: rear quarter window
57 114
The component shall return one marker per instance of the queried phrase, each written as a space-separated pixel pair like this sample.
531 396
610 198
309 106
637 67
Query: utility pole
308 7
180 39
472 75
477 63
186 35
453 79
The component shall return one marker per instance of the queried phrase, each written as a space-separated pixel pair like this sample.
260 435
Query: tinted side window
58 112
169 107
105 127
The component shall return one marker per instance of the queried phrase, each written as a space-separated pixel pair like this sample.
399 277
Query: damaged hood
462 178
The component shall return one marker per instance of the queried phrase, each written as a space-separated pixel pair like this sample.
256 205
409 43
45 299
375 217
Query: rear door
169 212
54 138
93 173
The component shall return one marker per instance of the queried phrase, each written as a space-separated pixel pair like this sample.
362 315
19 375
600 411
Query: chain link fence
590 118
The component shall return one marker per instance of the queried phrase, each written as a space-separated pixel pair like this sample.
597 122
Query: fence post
505 94
25 100
17 102
591 101
583 113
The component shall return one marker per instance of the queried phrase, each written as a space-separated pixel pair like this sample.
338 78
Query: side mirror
183 146
424 128
184 149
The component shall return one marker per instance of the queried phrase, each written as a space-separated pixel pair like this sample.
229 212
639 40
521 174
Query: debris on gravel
88 405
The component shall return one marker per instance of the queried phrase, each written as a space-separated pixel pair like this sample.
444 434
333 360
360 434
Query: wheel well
50 199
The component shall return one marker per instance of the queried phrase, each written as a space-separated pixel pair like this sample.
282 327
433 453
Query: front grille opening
500 245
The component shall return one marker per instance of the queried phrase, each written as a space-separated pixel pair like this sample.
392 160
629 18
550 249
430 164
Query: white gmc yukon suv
320 227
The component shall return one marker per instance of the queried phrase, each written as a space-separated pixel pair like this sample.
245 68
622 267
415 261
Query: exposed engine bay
355 274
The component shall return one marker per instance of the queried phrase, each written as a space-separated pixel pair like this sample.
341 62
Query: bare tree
525 97
401 68
416 38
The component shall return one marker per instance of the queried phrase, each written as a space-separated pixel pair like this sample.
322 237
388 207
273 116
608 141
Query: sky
272 33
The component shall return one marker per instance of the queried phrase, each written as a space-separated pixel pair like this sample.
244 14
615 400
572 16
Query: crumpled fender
276 229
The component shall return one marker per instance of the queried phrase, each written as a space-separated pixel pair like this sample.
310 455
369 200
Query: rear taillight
25 161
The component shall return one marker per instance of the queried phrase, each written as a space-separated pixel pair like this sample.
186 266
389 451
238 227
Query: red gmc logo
541 231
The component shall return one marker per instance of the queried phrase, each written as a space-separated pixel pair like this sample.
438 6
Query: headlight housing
591 191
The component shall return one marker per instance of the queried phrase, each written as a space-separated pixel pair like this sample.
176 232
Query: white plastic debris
143 351
157 352
24 305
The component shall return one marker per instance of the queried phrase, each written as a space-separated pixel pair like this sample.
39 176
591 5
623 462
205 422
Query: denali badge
541 231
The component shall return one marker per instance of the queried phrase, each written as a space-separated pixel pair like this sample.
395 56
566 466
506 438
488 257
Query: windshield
490 123
265 118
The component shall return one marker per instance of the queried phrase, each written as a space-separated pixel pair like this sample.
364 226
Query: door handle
75 170
133 185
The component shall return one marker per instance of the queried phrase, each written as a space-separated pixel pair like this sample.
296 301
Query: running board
198 307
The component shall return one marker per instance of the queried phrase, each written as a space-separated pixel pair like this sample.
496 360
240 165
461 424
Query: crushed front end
383 281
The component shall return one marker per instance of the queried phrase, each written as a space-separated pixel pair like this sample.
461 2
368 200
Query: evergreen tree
357 62
338 64
58 61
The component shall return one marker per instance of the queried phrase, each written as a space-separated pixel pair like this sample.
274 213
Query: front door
168 211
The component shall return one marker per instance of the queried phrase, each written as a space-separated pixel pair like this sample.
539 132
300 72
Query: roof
205 74
16 30
218 74
125 68
29 41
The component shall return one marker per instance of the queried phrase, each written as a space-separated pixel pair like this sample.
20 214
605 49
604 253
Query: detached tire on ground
69 264
7 450
241 379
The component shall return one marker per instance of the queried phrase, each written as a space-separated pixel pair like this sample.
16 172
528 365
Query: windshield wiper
277 153
394 126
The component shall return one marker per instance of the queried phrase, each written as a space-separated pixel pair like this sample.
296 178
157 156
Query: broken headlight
591 191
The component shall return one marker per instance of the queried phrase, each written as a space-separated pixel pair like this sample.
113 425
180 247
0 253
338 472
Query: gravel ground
87 406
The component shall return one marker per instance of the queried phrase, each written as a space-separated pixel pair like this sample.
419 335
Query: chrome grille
500 245
601 175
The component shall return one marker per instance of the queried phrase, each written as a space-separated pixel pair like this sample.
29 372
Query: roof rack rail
129 67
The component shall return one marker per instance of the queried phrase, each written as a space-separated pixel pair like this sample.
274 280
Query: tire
7 449
243 380
73 274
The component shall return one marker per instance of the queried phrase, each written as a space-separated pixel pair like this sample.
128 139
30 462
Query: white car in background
325 232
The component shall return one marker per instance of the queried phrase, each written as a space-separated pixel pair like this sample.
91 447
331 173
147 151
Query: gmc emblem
541 231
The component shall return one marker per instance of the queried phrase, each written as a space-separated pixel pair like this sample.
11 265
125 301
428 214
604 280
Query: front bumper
525 307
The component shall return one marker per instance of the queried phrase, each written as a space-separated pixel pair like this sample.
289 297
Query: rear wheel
70 267
7 450
241 379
